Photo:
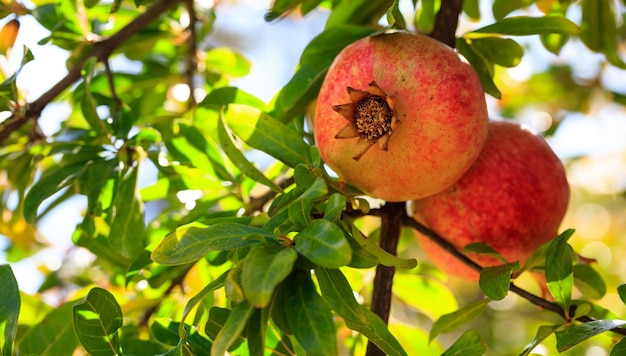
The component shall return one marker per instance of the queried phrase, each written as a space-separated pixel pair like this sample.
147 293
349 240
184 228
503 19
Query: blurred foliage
225 252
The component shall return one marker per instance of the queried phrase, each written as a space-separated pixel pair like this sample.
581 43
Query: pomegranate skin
440 105
513 199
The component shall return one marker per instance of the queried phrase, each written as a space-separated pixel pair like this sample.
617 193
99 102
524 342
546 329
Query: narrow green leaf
371 247
481 66
337 292
479 247
425 15
554 42
239 159
501 8
588 281
8 88
267 134
232 329
471 343
361 12
559 272
501 51
591 25
9 309
317 190
435 298
542 333
472 9
51 181
619 348
53 336
395 17
574 334
97 319
220 97
263 269
621 291
452 321
191 242
279 7
226 61
495 281
309 317
87 102
526 26
127 234
316 58
196 299
324 243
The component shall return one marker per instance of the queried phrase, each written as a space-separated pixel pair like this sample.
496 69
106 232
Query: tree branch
101 50
391 222
447 21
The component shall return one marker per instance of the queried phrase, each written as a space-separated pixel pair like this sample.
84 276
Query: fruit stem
392 219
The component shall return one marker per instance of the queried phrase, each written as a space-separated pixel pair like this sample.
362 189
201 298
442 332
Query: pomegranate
400 116
513 199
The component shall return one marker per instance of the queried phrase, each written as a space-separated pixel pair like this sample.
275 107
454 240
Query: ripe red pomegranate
513 199
414 98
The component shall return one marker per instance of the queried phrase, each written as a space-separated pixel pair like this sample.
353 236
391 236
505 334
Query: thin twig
111 81
100 50
192 49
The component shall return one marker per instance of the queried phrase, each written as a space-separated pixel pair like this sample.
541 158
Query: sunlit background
582 121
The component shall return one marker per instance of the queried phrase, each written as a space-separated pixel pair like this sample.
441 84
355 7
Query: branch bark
101 50
447 21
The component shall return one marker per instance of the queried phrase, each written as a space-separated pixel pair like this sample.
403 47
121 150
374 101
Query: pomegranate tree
400 116
513 199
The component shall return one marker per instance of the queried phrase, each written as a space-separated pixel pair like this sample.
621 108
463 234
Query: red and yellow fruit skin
513 199
440 105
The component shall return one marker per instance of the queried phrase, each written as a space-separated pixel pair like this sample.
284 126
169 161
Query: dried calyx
371 117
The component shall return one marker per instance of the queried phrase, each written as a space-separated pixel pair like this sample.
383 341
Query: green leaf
97 319
360 12
501 8
598 29
588 281
482 66
574 334
279 7
8 88
472 9
395 17
452 321
220 97
191 242
559 272
337 292
495 281
263 269
554 42
51 181
619 348
542 333
225 60
127 234
267 134
87 102
335 205
479 247
233 328
316 58
9 309
425 15
501 51
300 212
621 291
384 257
525 26
309 317
53 336
239 159
471 343
196 299
324 243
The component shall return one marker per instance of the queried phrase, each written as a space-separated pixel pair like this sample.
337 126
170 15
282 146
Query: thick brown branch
101 50
447 21
391 225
